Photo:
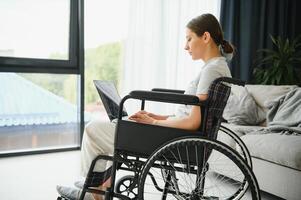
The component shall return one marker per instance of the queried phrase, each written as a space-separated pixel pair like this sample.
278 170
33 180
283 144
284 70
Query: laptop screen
109 97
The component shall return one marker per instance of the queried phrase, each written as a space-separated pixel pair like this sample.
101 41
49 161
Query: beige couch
276 157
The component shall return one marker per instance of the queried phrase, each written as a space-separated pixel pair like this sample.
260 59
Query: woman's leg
98 139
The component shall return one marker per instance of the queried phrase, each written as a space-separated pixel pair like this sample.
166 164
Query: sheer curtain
154 50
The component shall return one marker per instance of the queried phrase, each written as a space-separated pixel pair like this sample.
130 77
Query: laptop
110 98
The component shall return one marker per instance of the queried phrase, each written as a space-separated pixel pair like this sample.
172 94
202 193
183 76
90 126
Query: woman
204 40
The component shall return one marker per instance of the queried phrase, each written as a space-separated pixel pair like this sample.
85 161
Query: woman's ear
206 37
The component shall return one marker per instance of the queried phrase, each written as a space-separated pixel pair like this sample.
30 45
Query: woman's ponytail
227 49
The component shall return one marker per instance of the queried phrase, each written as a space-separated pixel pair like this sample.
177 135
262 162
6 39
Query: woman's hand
143 117
155 116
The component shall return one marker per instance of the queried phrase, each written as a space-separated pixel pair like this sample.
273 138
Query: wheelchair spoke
201 177
178 151
164 179
183 174
181 162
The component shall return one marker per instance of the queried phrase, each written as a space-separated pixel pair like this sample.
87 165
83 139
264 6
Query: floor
35 177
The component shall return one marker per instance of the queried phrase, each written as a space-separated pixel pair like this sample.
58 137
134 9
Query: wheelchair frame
140 159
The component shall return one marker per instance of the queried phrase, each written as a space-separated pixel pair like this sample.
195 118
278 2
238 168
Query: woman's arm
191 122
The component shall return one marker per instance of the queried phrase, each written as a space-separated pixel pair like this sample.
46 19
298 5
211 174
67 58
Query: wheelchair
169 163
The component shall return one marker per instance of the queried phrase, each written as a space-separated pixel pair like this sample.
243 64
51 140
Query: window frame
37 65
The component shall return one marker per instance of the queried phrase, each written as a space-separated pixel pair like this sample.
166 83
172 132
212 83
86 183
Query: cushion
262 94
281 149
241 109
238 130
241 130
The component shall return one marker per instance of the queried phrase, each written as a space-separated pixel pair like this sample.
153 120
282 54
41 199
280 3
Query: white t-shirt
213 69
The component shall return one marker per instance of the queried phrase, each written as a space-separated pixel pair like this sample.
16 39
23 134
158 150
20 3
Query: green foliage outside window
103 62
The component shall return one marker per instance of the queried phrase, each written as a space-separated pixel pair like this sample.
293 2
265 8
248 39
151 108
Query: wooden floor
35 177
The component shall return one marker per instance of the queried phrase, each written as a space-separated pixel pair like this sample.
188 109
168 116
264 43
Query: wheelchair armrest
165 97
168 90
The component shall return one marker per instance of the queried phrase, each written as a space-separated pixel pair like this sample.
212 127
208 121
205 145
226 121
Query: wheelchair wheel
240 145
190 173
125 187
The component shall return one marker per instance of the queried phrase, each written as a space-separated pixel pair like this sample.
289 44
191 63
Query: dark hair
207 22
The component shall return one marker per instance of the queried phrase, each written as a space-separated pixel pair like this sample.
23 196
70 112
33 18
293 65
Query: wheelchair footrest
94 179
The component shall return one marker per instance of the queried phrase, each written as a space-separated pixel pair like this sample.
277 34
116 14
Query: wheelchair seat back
218 95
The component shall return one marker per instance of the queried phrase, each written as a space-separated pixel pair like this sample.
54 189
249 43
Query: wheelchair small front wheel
126 186
190 173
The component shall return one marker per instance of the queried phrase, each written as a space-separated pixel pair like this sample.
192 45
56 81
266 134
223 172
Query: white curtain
154 50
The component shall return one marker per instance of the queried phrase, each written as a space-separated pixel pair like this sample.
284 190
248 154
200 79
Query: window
25 35
38 112
41 71
105 34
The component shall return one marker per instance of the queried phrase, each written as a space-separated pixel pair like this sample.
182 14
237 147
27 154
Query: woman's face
195 45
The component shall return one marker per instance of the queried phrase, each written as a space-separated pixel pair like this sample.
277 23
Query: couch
276 156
